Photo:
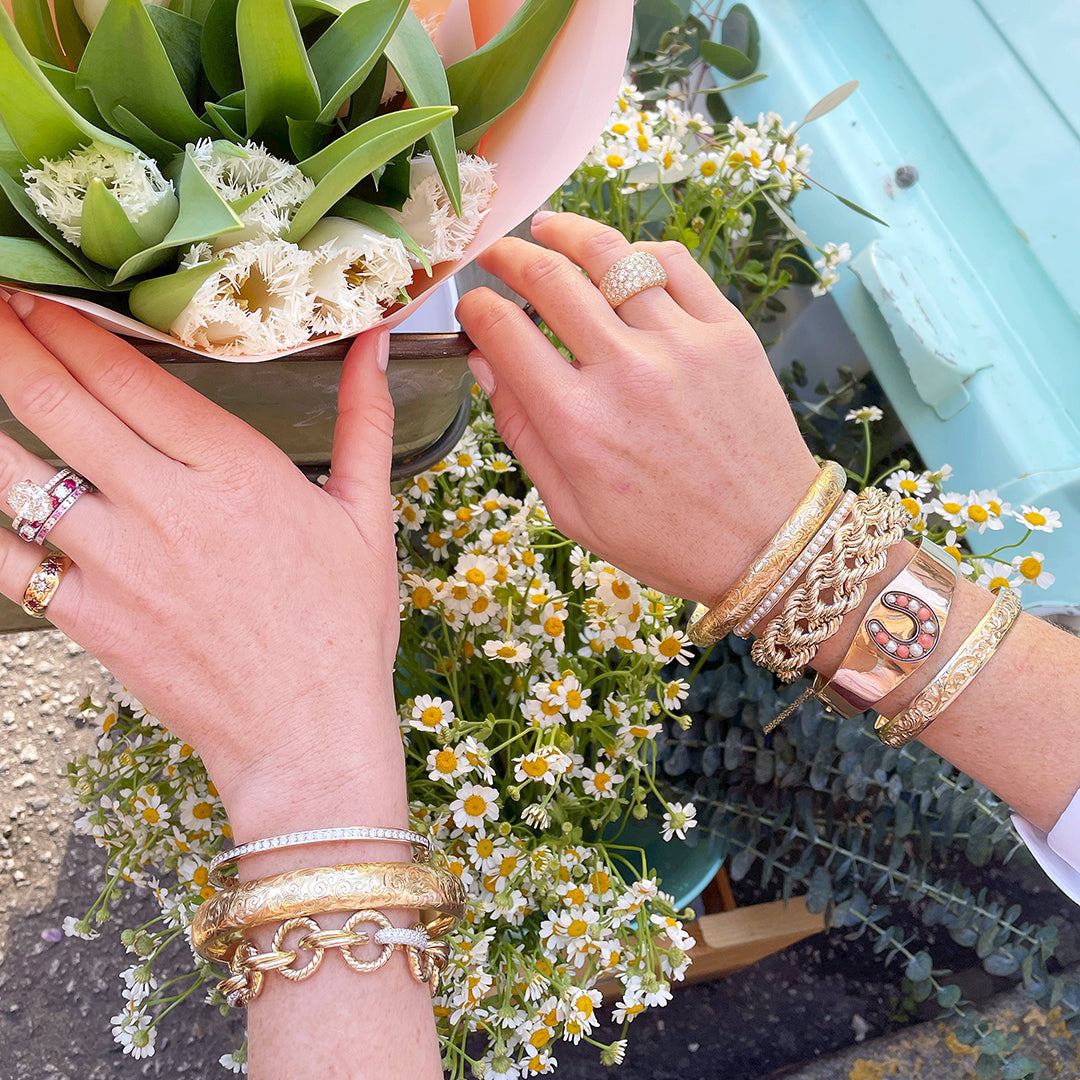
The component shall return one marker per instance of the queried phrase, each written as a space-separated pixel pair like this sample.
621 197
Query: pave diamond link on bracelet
813 549
421 845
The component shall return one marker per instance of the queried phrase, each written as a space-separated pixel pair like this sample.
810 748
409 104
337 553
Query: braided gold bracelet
222 921
972 656
709 625
858 552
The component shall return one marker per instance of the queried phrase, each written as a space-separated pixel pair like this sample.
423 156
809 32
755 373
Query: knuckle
486 318
40 397
544 270
116 374
605 244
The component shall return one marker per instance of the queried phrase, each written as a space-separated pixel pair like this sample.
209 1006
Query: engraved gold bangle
972 656
897 634
222 920
709 625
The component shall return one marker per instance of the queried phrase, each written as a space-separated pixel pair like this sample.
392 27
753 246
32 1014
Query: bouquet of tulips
244 176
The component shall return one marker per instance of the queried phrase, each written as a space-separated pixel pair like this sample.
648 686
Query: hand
667 447
255 614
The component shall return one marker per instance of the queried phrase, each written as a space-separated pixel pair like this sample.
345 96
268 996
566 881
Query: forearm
338 1023
1014 727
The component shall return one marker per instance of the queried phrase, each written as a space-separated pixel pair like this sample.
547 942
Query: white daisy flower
133 1031
475 806
58 188
79 928
259 302
1040 520
908 484
509 651
1030 568
679 817
866 413
430 713
674 693
602 782
237 172
671 644
446 763
950 506
995 575
983 511
428 216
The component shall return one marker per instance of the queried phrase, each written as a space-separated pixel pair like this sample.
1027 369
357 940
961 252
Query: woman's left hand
255 614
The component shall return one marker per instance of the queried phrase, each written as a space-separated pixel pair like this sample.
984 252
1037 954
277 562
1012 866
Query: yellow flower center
201 876
464 460
475 805
624 643
978 513
436 540
1033 517
576 896
540 1038
485 847
736 158
500 536
150 815
446 761
670 646
951 507
422 598
602 781
615 161
464 513
999 583
507 652
576 928
643 142
621 590
953 551
480 604
201 811
668 160
911 506
553 626
755 159
909 484
708 168
601 881
620 129
535 767
574 699
432 716
1031 568
585 1005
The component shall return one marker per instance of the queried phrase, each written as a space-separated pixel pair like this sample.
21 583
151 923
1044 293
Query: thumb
364 432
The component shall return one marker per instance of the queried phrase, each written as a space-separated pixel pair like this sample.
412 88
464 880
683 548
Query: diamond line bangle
822 537
421 846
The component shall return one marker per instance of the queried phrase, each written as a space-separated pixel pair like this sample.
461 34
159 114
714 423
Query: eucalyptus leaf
739 31
830 101
72 30
203 215
344 163
485 84
35 25
733 63
38 119
413 55
181 38
653 19
220 52
787 220
125 66
344 56
158 301
34 262
278 80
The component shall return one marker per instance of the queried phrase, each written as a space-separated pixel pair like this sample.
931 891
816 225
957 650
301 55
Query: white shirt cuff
1057 852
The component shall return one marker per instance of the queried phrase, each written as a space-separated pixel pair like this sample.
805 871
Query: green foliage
866 831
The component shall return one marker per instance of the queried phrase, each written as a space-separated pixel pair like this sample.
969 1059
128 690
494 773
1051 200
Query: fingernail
5 294
482 373
382 350
22 304
542 215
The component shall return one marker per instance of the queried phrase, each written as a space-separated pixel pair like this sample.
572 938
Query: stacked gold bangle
222 925
708 626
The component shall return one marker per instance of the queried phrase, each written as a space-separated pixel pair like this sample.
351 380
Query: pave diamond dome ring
37 508
632 274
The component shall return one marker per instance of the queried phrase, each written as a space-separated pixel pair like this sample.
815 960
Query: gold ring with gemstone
44 582
632 274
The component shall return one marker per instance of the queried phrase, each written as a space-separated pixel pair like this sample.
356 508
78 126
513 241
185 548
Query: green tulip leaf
158 301
345 162
181 38
308 137
108 237
278 80
38 119
73 32
125 66
34 262
21 203
220 52
65 83
413 55
204 215
33 19
344 56
197 9
485 84
230 122
246 202
142 136
377 218
365 103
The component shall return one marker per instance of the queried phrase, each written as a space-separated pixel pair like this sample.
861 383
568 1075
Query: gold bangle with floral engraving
981 644
897 634
709 625
222 920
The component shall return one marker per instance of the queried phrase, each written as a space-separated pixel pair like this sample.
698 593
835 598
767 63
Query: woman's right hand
668 447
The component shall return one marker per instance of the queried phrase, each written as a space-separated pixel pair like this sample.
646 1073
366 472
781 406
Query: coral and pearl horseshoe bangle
221 922
897 634
708 626
981 644
632 274
421 846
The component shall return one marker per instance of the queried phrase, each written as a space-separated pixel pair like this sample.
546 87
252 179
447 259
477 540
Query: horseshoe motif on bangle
920 642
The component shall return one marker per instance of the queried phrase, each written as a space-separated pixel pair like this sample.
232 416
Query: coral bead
902 652
926 641
901 601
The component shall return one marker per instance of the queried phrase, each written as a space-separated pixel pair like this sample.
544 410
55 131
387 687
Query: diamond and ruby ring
37 508
632 274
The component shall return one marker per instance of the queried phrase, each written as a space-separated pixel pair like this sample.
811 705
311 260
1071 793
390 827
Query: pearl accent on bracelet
806 557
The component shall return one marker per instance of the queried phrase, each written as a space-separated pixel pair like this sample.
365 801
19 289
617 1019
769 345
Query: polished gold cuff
896 636
972 656
709 625
221 922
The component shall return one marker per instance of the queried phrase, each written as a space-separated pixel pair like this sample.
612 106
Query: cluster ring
632 274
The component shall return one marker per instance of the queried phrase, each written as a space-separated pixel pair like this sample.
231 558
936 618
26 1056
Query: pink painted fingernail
22 304
482 373
542 215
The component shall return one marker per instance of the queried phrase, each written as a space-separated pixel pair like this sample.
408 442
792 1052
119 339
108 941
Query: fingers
596 248
84 529
164 411
690 286
364 432
44 396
